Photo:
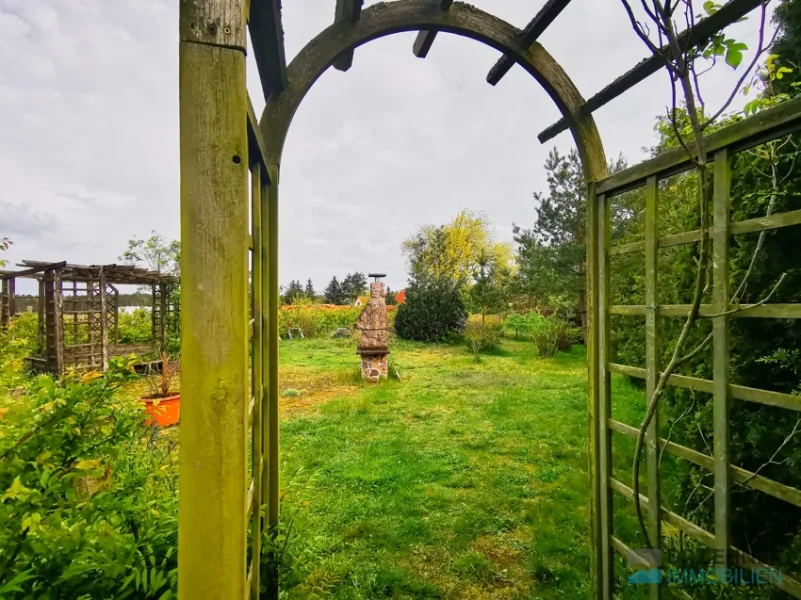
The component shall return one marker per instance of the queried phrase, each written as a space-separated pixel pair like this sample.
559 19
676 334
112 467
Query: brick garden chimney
374 341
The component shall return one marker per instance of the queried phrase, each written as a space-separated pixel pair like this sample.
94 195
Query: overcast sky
89 130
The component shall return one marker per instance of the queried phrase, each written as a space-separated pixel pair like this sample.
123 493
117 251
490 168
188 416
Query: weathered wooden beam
257 381
738 311
652 362
720 355
349 11
32 271
604 347
422 44
257 149
703 30
738 474
214 228
271 487
597 541
531 33
54 324
770 124
5 304
739 392
267 39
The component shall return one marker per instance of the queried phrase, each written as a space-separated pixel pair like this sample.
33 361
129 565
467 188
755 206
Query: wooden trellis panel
769 125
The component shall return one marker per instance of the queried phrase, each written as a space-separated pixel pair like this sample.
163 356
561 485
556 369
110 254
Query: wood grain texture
213 22
215 390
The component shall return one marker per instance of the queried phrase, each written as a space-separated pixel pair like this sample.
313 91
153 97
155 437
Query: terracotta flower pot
164 411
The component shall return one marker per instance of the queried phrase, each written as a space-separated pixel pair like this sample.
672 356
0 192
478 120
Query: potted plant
162 403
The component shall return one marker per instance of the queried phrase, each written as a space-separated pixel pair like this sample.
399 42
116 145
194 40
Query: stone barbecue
374 340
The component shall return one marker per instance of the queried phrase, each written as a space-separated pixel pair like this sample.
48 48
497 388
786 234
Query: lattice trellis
769 125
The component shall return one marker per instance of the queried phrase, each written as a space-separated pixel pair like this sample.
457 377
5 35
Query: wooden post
5 306
116 316
652 363
42 315
720 354
258 381
593 409
12 295
212 534
604 398
154 315
270 366
73 304
163 317
103 320
54 325
90 321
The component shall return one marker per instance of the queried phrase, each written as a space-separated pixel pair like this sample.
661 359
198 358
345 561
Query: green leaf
16 491
733 57
13 584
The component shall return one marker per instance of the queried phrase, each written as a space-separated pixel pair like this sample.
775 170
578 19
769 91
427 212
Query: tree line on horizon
342 293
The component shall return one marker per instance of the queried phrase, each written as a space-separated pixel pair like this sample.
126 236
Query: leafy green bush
20 341
431 313
482 336
316 319
136 326
550 334
88 499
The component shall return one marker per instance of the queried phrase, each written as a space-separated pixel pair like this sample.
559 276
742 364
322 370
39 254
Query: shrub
20 341
316 319
431 313
135 326
482 336
87 497
550 334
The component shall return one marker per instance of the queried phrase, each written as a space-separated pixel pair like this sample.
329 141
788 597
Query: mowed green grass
461 480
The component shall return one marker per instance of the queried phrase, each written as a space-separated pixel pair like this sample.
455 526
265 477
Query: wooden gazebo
79 312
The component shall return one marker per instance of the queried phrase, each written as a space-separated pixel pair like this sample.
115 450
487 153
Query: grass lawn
462 480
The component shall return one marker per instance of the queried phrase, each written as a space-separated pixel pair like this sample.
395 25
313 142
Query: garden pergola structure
78 312
226 501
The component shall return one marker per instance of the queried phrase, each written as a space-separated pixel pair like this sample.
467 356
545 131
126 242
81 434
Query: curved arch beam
412 15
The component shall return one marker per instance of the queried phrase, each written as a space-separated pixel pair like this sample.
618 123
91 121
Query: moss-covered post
270 480
652 363
720 355
214 238
593 398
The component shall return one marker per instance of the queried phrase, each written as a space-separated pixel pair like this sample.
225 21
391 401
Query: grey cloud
89 121
20 220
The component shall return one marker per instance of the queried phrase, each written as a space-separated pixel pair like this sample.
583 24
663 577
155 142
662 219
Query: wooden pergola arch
230 163
381 20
